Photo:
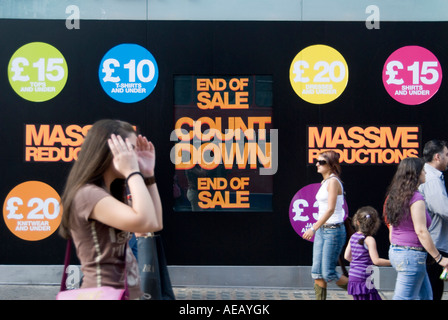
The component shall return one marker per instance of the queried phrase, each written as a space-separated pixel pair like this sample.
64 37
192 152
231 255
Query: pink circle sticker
303 209
412 75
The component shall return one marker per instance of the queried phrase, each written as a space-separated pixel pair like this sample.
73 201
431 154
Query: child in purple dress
362 253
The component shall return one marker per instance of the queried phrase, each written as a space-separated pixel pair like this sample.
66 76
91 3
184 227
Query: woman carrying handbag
100 225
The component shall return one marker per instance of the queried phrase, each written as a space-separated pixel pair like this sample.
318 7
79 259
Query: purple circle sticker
412 75
303 209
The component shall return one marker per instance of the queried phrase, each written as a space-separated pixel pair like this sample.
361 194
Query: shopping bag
154 276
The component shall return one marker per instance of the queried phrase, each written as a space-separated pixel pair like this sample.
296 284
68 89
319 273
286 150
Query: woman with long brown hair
329 229
408 220
99 224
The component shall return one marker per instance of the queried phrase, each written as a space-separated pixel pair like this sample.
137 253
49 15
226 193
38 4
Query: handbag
154 276
98 293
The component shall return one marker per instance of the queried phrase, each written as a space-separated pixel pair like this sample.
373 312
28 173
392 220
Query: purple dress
360 285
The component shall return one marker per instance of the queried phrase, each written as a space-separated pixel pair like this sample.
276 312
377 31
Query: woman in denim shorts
329 230
408 220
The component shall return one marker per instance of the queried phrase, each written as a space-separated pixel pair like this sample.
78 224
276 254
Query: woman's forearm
155 196
142 202
323 219
427 243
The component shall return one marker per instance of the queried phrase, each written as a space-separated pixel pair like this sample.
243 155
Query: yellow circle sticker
31 211
318 74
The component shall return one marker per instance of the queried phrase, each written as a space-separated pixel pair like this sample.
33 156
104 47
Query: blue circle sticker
128 73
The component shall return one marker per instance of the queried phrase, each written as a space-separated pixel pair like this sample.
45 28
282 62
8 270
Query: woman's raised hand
125 158
146 156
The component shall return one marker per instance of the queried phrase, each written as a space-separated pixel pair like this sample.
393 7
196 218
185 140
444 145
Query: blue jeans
327 247
412 279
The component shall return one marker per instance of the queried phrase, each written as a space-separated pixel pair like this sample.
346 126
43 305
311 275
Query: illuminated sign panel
222 138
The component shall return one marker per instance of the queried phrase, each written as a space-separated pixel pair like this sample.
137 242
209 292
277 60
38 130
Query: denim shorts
412 279
328 244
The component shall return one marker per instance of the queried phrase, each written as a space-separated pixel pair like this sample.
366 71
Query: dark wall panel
217 48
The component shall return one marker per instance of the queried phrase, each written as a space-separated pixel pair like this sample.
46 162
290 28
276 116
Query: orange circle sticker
31 211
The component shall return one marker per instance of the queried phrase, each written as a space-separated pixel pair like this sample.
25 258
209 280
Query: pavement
244 293
48 292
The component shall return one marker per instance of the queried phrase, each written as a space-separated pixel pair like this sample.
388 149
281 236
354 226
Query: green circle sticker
37 72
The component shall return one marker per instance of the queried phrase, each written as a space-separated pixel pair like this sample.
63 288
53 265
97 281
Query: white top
322 201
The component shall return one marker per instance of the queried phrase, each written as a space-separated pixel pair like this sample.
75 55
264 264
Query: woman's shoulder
90 192
334 181
87 188
86 198
416 197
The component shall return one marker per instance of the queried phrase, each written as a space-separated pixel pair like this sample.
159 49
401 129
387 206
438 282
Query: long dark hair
403 186
93 160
